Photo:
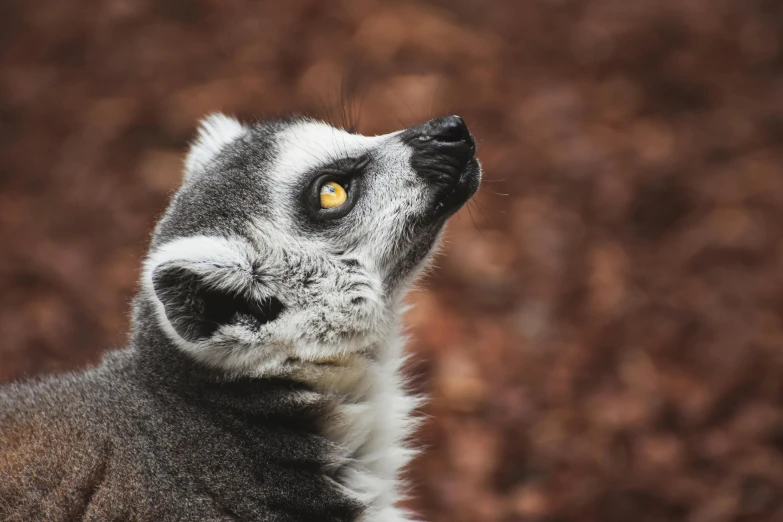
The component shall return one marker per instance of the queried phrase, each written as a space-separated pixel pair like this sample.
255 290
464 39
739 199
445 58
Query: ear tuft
215 132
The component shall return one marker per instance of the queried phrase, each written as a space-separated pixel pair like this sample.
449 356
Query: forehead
306 145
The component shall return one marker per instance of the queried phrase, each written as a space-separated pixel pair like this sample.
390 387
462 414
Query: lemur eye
333 195
333 190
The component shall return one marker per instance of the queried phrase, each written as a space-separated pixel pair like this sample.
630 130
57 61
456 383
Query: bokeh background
602 340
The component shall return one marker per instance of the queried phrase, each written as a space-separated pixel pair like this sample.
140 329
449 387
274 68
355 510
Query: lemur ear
197 305
215 132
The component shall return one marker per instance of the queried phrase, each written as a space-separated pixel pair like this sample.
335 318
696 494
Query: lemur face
290 242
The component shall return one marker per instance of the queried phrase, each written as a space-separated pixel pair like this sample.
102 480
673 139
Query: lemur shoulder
262 376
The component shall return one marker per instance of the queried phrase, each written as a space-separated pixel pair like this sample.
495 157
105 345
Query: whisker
477 207
359 111
474 222
495 193
407 106
435 95
325 106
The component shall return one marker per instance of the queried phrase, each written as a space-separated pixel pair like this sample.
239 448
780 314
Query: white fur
215 132
373 423
309 144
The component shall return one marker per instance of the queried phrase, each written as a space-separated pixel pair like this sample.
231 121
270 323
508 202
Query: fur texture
263 375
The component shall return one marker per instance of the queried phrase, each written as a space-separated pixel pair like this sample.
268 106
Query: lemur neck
180 380
349 379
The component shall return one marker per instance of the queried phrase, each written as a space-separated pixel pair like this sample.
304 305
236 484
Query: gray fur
262 377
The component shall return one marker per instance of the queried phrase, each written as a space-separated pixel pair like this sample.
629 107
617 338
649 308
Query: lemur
262 378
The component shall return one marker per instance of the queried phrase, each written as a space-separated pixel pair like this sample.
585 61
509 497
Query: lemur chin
262 378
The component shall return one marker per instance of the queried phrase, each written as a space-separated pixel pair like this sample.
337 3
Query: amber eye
333 195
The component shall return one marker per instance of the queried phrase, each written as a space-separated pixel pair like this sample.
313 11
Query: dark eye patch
348 172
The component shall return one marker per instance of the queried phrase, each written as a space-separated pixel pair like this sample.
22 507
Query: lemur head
291 242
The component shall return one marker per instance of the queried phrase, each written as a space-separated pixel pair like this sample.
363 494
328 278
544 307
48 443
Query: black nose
450 129
445 137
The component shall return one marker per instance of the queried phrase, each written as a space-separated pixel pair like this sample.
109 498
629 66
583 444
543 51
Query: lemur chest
369 423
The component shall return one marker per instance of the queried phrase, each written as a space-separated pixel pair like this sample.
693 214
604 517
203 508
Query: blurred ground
602 345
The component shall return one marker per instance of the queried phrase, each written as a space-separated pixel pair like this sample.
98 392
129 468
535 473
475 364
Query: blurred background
603 339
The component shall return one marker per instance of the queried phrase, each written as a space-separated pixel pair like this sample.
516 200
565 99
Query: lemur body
262 379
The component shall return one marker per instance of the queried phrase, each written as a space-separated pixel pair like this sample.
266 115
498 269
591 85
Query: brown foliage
603 344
